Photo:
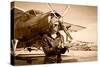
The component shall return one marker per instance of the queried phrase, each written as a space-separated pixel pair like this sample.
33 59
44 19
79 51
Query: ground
72 56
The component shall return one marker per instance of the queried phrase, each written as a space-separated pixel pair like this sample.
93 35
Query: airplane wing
73 28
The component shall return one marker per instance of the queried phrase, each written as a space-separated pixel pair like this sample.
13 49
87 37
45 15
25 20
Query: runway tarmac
72 56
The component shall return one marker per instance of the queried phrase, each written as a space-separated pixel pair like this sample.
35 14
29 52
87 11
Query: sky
82 15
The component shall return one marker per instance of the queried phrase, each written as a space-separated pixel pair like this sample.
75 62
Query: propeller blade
51 9
66 10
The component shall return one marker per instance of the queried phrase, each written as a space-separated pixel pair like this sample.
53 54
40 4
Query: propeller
51 9
64 12
61 18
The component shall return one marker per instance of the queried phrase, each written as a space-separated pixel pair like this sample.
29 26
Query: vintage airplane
28 29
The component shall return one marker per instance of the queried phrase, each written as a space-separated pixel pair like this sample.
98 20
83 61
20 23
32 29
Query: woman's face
55 26
55 23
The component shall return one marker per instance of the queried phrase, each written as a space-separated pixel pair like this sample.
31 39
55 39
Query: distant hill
82 45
